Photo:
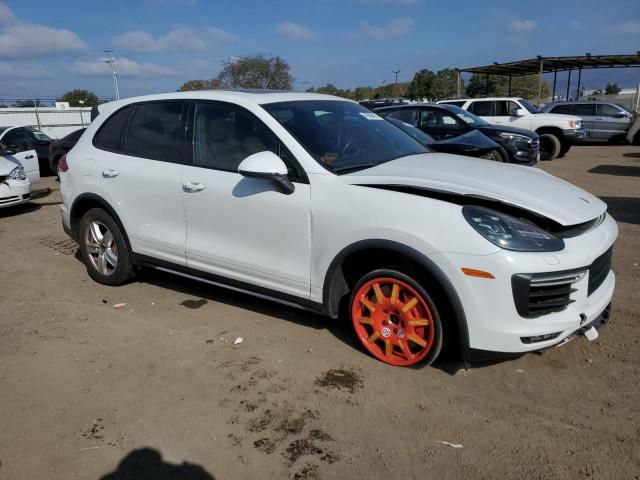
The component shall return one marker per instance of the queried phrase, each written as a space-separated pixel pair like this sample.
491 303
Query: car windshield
416 133
468 117
41 136
531 108
343 136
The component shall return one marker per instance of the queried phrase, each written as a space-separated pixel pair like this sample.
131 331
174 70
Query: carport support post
540 81
509 94
579 77
555 76
568 83
459 89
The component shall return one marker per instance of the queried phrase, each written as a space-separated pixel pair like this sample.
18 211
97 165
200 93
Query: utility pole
305 83
112 63
396 72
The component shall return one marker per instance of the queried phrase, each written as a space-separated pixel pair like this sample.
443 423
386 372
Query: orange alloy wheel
393 321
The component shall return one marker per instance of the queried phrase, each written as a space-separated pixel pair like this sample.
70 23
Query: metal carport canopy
540 65
556 64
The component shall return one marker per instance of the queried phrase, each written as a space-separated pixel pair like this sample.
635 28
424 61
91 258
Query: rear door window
110 134
156 131
584 110
484 108
406 115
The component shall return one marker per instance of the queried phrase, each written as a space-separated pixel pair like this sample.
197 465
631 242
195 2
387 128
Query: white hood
525 187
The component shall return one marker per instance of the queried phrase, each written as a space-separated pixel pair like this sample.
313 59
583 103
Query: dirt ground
156 389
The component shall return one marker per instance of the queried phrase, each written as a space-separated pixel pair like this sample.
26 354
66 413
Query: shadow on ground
19 209
631 155
618 170
623 209
147 464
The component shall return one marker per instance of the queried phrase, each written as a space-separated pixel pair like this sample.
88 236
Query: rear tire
549 146
103 248
395 319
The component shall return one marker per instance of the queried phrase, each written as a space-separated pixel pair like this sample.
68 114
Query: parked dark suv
449 121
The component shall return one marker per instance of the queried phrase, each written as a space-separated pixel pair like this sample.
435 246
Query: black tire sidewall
124 270
550 140
409 279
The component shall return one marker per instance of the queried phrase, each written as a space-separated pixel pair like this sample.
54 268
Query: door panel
610 121
143 180
29 161
243 228
587 113
238 227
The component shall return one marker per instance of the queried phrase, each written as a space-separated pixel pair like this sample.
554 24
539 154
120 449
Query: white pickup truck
557 132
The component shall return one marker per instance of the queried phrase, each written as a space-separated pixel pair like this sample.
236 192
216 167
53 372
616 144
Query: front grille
599 270
13 198
542 293
535 146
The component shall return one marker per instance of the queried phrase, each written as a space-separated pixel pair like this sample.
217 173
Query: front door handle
29 157
110 173
192 187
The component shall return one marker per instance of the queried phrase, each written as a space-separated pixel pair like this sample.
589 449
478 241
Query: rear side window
406 115
482 109
563 109
584 109
110 133
506 108
156 131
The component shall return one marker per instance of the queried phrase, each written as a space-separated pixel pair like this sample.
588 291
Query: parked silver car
606 121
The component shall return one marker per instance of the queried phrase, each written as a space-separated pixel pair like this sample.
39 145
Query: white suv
557 132
317 202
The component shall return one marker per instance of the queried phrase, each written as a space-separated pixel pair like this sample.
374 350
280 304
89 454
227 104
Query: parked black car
448 121
471 144
59 148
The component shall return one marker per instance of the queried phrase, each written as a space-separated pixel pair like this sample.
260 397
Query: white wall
55 123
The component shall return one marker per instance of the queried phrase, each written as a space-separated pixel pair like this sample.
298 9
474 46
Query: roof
480 98
552 64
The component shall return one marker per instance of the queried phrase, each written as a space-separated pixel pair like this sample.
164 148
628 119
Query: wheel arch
337 282
86 202
557 131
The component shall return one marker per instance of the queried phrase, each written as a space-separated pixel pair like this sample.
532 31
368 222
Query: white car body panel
246 230
15 192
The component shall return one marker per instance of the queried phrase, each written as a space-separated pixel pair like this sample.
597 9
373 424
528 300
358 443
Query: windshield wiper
357 166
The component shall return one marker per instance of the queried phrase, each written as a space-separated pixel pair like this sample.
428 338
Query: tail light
63 166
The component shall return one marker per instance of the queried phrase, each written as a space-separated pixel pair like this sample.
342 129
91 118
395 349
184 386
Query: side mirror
269 166
519 112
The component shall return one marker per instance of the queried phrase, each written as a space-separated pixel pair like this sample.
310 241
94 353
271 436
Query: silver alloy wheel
493 155
101 248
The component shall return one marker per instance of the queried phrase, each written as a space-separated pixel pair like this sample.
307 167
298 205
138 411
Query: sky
47 48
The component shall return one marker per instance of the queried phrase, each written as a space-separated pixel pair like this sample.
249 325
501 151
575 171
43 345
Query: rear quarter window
109 136
482 108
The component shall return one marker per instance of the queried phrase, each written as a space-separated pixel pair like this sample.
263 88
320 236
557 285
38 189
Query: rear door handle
110 173
192 187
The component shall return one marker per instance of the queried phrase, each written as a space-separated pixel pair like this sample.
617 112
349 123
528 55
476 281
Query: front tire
549 146
494 155
103 249
395 319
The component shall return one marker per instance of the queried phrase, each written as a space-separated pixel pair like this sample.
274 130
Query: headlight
17 174
575 123
514 137
510 233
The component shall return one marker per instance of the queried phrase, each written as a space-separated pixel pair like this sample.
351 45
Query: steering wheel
358 141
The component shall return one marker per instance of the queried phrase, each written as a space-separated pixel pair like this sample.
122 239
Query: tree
612 89
29 103
422 85
524 86
256 71
201 85
80 98
446 84
328 89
